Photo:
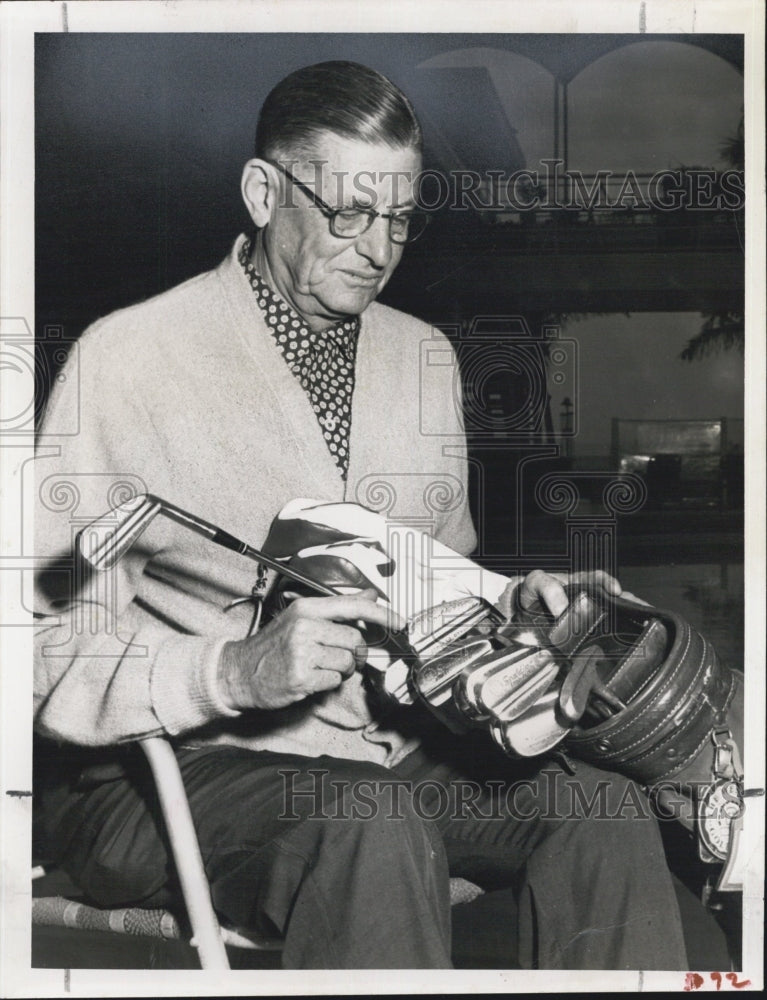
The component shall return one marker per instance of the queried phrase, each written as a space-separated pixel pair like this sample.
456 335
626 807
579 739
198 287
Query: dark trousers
349 861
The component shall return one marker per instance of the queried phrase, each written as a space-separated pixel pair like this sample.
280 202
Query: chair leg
186 853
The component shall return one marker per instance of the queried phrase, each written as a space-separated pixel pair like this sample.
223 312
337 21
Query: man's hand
304 650
549 589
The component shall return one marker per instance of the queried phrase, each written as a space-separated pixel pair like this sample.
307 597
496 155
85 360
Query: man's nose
375 243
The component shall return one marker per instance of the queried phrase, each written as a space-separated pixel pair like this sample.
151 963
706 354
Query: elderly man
277 376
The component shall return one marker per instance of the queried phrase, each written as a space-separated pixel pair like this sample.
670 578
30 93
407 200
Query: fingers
326 669
544 587
332 660
598 578
549 588
303 640
610 584
345 639
369 593
353 607
299 653
632 597
324 680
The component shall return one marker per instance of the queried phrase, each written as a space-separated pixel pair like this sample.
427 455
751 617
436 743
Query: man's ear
259 190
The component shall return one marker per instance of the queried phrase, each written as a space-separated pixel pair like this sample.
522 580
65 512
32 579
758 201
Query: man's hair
344 98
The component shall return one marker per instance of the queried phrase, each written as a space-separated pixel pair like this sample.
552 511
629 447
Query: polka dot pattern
323 362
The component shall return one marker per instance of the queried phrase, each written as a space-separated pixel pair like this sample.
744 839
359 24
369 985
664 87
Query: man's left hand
549 589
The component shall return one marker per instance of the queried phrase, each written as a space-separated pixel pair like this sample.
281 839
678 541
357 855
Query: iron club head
105 541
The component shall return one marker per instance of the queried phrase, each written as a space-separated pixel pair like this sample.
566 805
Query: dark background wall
141 139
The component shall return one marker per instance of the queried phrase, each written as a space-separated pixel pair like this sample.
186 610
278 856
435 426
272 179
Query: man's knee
605 812
590 793
362 807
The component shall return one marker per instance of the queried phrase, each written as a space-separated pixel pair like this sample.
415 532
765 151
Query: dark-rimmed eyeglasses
349 223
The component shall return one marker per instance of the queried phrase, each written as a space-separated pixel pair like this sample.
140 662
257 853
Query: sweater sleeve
107 668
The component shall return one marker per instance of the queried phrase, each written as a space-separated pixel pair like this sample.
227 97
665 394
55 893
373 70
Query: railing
683 210
685 188
619 231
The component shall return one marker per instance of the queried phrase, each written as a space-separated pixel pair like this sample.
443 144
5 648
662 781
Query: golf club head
105 541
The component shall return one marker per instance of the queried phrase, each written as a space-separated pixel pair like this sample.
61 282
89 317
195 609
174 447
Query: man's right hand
304 650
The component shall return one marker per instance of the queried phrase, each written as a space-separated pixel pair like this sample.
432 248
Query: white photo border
19 24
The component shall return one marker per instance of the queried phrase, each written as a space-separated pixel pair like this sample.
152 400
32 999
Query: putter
103 542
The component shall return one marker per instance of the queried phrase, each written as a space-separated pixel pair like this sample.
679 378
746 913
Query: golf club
103 542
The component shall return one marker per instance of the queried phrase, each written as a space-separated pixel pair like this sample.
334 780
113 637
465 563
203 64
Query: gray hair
344 98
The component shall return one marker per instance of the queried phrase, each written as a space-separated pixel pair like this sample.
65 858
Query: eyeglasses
348 223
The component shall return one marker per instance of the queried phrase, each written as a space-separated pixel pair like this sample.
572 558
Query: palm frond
720 332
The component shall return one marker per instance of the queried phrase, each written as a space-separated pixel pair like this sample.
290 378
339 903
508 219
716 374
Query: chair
208 936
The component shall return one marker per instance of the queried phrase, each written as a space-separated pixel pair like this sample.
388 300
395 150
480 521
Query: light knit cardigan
187 396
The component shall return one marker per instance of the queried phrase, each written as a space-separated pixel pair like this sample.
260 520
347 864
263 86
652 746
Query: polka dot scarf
322 362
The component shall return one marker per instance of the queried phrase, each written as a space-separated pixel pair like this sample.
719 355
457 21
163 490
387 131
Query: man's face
323 276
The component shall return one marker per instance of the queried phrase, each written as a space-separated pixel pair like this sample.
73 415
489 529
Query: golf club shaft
103 543
223 538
